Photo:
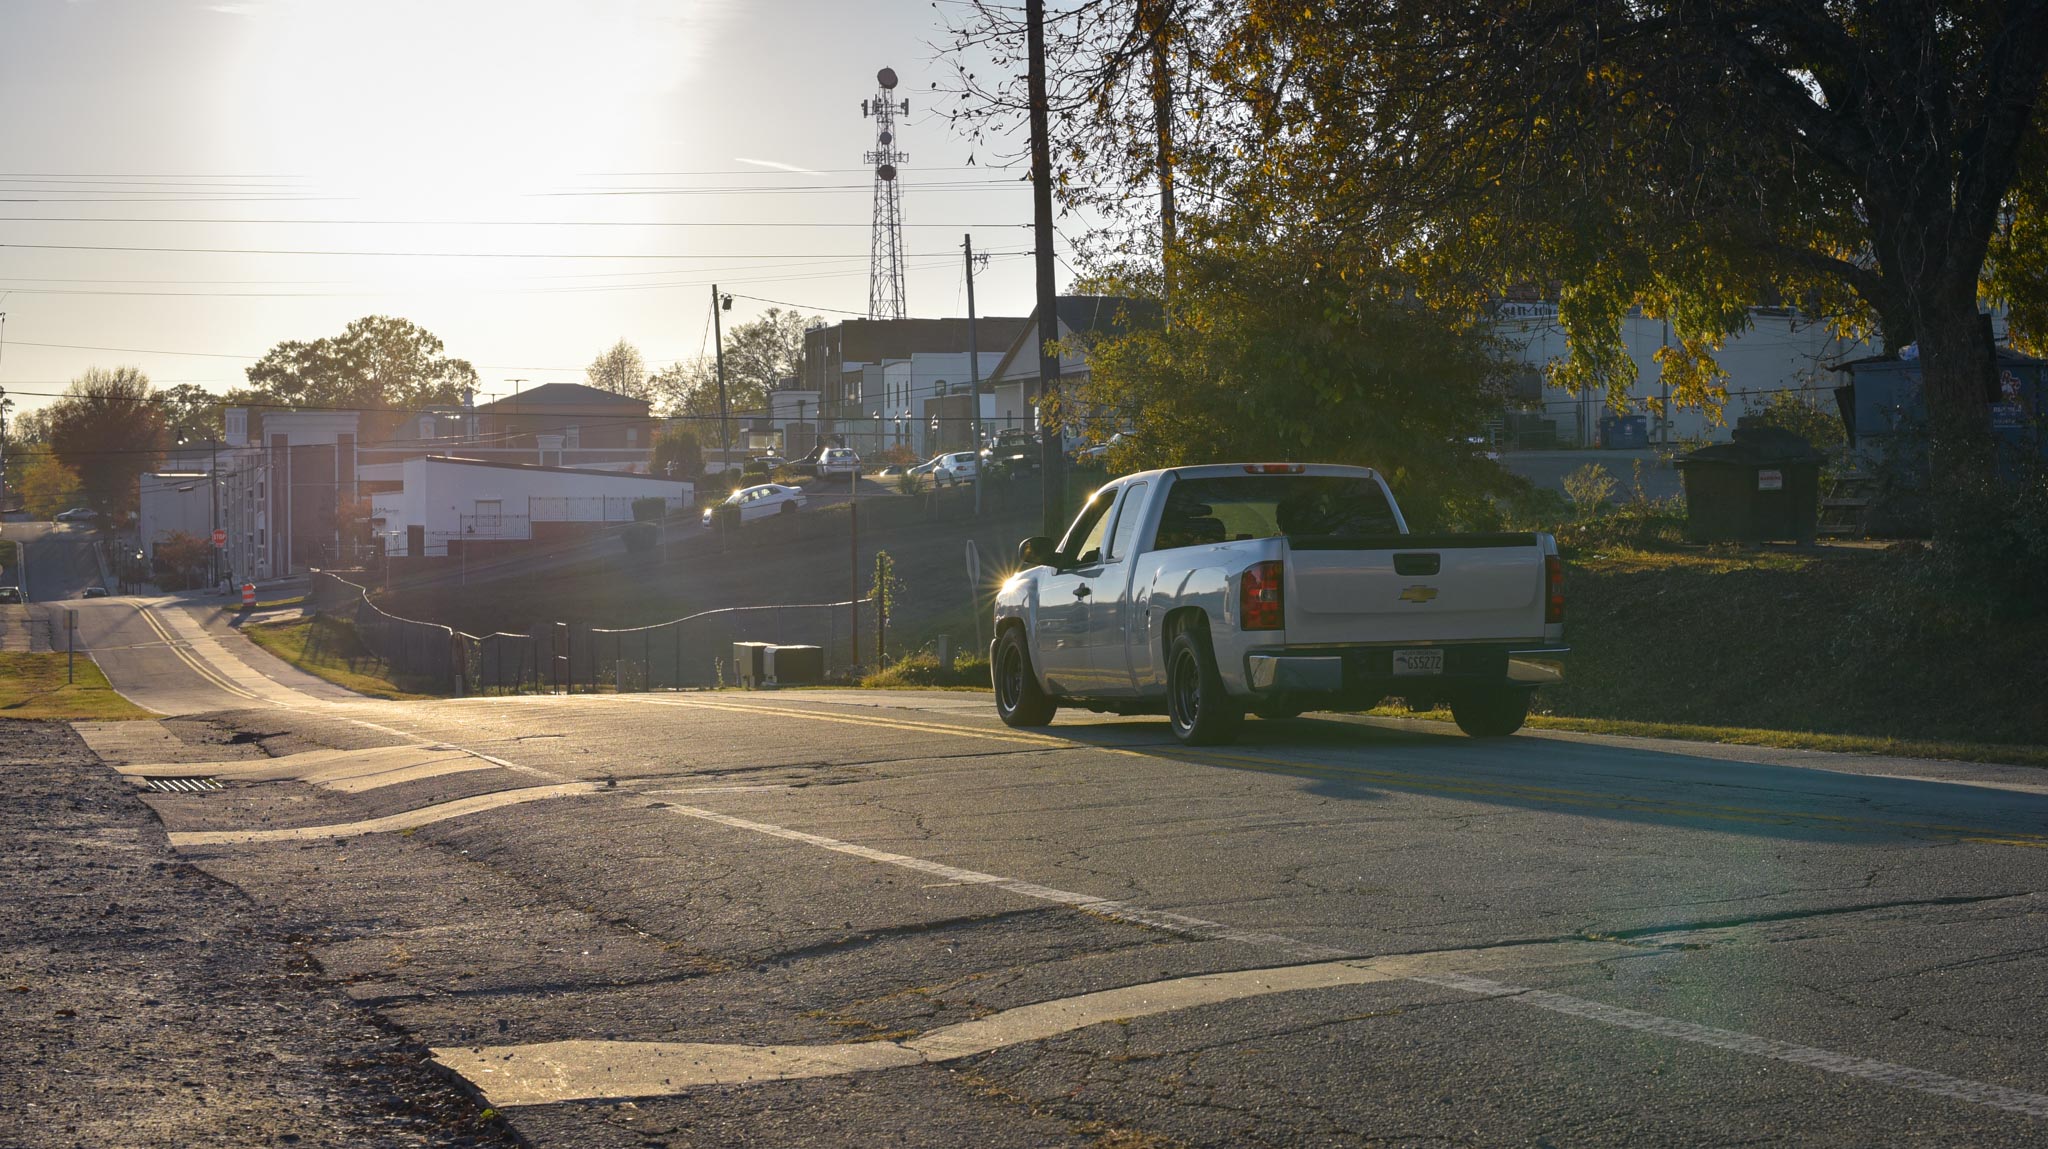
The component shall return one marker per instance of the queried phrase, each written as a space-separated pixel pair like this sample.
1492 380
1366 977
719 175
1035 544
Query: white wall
1776 353
438 493
165 508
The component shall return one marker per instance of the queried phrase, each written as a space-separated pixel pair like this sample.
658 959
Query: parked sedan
956 467
10 594
759 502
77 515
95 592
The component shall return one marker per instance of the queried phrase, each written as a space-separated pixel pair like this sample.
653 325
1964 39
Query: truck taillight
1553 586
1260 603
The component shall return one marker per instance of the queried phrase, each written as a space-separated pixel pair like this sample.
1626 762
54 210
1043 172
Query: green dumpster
1763 486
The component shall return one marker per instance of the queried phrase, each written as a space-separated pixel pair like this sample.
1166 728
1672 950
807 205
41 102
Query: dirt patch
145 1003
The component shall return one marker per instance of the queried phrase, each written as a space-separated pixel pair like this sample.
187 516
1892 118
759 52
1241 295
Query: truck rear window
1233 507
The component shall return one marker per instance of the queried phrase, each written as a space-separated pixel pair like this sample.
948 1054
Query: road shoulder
146 1003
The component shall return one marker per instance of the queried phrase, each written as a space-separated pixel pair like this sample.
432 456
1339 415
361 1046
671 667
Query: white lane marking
548 1072
1870 1069
404 820
1103 907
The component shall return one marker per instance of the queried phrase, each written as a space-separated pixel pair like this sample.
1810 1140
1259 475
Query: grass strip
34 686
328 648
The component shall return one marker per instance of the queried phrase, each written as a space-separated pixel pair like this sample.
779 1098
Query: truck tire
1020 701
1197 707
1494 713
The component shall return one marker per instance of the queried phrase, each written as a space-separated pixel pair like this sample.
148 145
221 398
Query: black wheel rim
1186 691
1011 684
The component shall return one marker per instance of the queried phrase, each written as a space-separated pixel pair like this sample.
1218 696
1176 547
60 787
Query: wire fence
691 652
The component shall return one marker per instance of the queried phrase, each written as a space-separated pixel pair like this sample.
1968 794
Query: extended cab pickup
1274 588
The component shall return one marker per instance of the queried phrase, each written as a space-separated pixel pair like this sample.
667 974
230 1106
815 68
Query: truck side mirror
1036 551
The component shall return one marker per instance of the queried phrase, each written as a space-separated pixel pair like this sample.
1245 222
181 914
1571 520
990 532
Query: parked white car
838 461
76 515
955 467
759 502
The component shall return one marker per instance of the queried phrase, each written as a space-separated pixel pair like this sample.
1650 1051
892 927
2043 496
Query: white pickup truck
1273 588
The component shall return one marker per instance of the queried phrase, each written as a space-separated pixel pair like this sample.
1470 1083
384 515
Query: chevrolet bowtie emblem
1418 593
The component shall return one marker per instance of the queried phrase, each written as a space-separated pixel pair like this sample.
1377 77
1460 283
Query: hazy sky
706 139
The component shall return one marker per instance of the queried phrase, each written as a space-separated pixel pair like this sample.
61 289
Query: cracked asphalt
1666 943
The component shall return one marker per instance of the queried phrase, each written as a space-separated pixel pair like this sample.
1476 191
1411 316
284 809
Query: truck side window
1123 541
1083 544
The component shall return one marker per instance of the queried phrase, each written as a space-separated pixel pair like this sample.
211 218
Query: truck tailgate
1422 588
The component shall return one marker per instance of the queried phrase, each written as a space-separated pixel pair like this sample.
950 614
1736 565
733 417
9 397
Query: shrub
651 509
922 670
1589 488
1804 416
894 455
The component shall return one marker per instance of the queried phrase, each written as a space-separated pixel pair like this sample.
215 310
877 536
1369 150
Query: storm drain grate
182 785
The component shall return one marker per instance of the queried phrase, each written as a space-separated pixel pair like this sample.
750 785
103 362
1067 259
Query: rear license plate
1413 662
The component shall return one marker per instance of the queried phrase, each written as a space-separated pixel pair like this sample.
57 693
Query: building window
574 439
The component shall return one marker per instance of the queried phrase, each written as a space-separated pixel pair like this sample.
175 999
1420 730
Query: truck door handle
1082 591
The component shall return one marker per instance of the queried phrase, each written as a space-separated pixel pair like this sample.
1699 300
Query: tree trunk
1958 367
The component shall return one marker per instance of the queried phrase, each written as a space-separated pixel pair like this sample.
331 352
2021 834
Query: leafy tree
47 486
29 430
621 371
1882 164
108 431
376 362
686 389
761 352
180 560
1814 420
679 453
1264 362
191 413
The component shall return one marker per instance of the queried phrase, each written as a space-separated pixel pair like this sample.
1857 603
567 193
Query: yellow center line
198 665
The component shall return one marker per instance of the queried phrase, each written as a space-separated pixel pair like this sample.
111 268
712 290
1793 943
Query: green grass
328 648
921 672
33 686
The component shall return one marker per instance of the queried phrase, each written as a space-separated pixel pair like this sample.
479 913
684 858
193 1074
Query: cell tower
885 266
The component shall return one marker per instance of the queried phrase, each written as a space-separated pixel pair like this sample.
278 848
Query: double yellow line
198 665
1407 780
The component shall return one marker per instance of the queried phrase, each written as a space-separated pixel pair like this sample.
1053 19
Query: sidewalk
25 627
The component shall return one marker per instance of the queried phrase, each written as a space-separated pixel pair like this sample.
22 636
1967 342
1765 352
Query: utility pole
1052 458
213 494
973 373
724 415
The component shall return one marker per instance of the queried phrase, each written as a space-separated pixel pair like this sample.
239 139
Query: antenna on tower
885 265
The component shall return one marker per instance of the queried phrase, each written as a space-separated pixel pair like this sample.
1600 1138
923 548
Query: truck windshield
1235 507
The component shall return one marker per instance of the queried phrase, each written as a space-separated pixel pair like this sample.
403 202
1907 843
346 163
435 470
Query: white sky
463 126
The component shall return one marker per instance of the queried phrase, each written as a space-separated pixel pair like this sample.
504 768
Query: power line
468 222
422 254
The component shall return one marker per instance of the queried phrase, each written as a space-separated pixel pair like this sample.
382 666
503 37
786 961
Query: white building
283 482
1782 350
454 500
173 502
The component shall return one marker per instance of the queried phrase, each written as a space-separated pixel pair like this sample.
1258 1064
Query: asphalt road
829 918
57 565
